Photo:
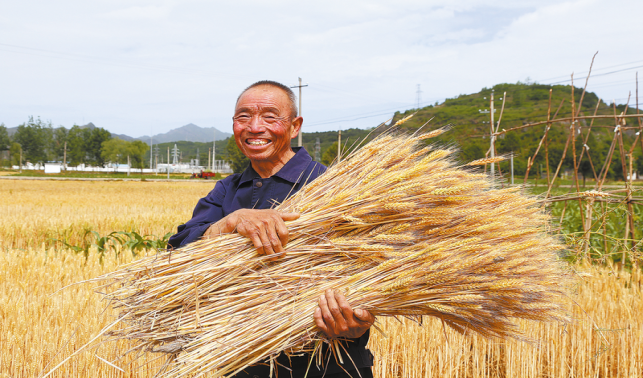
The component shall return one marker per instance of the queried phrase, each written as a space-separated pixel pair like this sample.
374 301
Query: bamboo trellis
591 223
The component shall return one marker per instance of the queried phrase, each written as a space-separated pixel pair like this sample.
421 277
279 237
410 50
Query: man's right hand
265 228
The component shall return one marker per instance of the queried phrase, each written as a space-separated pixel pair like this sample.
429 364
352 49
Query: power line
356 117
595 69
103 61
598 75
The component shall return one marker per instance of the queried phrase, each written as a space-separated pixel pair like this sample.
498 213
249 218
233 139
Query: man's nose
256 124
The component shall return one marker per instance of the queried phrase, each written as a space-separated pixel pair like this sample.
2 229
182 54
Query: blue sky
136 67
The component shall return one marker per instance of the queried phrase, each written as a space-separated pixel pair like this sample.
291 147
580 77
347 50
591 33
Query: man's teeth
258 142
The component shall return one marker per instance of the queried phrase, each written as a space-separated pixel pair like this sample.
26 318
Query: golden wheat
209 299
605 339
38 329
35 212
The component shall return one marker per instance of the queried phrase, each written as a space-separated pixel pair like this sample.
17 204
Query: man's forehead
264 92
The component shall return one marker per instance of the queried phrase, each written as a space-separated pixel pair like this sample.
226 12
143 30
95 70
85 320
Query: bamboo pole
638 112
639 135
580 102
547 140
339 146
619 124
630 209
580 202
606 165
562 215
591 163
559 165
603 210
531 162
588 224
587 138
566 119
619 199
502 110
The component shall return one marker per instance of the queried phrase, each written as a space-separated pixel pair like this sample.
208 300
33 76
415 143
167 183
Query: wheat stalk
399 227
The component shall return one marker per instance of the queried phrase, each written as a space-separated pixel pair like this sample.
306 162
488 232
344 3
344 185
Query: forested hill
524 103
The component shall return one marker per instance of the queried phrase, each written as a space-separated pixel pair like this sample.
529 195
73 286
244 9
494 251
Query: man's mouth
257 142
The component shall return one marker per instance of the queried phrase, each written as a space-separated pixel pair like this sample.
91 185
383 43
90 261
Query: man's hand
265 228
337 318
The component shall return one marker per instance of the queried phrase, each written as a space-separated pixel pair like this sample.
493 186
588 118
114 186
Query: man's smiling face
263 125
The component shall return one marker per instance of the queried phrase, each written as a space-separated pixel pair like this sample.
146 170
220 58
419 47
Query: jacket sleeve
208 210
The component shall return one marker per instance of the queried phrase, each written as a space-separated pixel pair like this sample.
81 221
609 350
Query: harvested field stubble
36 325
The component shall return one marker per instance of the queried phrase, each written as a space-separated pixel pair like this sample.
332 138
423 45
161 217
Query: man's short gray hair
291 95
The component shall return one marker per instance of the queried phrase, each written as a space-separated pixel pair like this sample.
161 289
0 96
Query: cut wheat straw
399 227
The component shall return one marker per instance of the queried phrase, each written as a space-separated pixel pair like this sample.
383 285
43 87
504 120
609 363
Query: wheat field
35 212
40 327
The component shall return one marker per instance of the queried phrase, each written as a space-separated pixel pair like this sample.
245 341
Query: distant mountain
189 132
121 136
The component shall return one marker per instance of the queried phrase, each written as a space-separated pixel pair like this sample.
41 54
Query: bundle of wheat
398 226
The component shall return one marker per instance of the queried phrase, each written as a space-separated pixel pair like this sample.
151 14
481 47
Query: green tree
33 137
5 141
137 150
638 162
237 158
114 150
93 144
60 136
472 151
329 155
510 143
76 150
14 151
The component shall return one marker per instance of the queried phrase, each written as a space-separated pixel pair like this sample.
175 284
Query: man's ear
296 127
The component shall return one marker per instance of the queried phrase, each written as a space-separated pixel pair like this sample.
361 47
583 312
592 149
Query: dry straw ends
399 227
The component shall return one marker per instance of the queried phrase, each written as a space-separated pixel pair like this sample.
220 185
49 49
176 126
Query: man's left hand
337 318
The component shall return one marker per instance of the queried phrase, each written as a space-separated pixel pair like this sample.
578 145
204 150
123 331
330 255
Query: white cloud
148 12
132 65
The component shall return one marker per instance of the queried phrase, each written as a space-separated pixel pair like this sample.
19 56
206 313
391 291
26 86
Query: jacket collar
292 171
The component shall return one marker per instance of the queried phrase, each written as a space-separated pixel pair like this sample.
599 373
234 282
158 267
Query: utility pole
317 150
339 147
209 158
512 168
20 159
168 162
214 148
129 166
65 157
492 139
156 157
151 151
176 155
419 93
299 138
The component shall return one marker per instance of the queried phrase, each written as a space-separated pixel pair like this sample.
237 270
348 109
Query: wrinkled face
263 124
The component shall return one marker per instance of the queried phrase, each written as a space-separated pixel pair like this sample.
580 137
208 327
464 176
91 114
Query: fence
595 205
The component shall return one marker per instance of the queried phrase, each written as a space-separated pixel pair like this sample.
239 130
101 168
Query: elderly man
264 122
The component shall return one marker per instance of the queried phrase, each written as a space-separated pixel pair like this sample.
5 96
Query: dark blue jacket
249 191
